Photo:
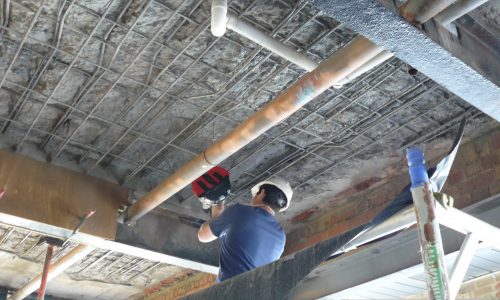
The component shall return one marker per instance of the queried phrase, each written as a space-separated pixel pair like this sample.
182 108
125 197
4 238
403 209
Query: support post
462 261
45 273
431 245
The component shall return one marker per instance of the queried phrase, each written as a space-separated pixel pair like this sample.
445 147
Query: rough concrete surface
133 109
197 65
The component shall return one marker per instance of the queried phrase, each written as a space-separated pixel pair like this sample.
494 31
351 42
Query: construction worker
250 236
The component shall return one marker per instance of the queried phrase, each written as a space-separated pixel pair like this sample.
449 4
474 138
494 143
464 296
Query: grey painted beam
473 45
390 31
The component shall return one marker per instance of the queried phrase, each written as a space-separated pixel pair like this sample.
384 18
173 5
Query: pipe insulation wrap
416 164
352 56
219 17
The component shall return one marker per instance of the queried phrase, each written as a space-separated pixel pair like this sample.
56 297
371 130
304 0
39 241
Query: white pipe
456 10
465 223
219 17
377 60
78 253
247 30
462 262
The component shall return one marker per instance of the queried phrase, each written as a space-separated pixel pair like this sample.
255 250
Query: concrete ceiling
131 90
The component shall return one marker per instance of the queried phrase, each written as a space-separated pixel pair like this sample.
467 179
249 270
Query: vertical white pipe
219 17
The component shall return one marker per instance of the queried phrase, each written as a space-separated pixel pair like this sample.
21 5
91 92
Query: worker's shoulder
239 206
242 209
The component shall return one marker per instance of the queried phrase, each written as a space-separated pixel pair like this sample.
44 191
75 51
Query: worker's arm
205 234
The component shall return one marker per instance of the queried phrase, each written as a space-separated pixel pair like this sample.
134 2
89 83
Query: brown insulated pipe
332 70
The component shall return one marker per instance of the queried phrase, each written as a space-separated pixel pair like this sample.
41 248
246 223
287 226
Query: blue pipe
417 168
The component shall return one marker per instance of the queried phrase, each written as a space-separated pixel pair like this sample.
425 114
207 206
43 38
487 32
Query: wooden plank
53 195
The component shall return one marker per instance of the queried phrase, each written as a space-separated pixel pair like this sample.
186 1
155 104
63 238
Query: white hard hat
280 183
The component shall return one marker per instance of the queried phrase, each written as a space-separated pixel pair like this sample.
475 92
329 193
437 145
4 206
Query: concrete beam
390 31
50 200
53 195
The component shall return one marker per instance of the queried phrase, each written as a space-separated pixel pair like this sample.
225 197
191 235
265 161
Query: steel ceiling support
388 30
66 72
335 68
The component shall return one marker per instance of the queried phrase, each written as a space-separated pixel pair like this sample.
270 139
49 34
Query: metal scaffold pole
431 245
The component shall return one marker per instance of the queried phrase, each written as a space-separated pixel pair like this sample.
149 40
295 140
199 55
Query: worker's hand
205 203
217 209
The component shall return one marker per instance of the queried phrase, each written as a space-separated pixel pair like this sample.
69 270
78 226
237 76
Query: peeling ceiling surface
130 90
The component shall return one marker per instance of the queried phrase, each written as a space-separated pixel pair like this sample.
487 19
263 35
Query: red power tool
212 187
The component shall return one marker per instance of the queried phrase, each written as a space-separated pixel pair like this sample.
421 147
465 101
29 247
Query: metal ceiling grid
90 84
101 265
170 80
371 124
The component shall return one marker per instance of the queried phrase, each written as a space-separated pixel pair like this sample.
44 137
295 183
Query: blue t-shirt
250 237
